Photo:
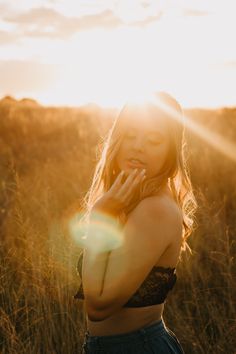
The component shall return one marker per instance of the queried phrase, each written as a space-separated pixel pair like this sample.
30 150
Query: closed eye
129 135
154 142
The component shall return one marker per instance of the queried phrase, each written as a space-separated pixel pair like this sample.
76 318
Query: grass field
48 157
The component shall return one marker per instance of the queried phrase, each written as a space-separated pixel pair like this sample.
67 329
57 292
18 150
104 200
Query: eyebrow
150 131
156 132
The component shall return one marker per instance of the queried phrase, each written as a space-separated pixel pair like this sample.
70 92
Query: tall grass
48 157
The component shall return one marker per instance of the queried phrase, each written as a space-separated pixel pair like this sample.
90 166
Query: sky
72 52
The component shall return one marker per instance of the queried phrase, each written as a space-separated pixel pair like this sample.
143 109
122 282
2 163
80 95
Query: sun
107 68
107 65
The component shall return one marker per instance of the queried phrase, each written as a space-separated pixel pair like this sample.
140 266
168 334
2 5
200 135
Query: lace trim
153 290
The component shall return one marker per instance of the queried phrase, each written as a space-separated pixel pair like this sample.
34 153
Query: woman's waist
126 320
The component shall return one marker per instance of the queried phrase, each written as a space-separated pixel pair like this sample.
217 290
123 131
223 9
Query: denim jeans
156 338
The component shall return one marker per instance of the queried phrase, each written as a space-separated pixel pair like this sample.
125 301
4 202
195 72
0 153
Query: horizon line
113 107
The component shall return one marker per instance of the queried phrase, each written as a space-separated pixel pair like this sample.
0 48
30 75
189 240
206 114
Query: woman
141 189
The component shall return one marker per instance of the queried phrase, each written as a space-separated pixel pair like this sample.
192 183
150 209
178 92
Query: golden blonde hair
174 171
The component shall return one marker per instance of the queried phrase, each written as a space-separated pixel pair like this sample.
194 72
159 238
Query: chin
131 167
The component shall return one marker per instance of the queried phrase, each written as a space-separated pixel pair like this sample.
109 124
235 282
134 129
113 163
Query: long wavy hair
174 170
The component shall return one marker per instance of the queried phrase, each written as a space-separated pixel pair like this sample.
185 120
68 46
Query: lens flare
101 234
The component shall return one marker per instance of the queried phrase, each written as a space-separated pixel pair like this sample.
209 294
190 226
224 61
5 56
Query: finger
129 181
143 177
137 180
140 177
118 180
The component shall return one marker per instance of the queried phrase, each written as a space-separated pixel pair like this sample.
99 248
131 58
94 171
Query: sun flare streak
227 148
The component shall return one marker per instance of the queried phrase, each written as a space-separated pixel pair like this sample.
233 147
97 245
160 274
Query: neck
165 190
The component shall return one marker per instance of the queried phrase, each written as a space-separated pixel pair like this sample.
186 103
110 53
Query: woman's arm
104 229
114 278
96 254
94 271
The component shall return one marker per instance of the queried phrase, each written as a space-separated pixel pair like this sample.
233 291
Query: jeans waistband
155 329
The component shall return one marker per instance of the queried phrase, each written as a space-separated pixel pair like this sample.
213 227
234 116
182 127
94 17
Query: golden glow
102 234
107 67
212 138
187 40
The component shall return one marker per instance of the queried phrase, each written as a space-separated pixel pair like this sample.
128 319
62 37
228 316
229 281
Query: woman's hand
119 195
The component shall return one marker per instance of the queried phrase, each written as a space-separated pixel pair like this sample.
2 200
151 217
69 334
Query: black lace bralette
152 291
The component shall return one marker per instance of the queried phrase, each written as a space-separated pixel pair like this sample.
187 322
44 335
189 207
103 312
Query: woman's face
146 140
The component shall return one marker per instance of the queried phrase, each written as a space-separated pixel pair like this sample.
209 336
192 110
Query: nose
138 143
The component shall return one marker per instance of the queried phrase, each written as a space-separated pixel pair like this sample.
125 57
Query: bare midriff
126 320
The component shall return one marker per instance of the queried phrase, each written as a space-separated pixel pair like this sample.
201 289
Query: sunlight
109 72
212 138
102 234
106 67
106 73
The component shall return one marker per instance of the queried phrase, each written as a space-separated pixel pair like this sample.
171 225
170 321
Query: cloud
146 21
46 22
145 4
192 12
225 65
36 15
230 64
3 8
22 76
8 37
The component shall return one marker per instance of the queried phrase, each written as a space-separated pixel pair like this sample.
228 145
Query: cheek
121 153
158 155
160 150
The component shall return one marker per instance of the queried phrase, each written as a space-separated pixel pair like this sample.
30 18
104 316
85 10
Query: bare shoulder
158 205
160 209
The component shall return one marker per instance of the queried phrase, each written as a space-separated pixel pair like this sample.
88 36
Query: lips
135 162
